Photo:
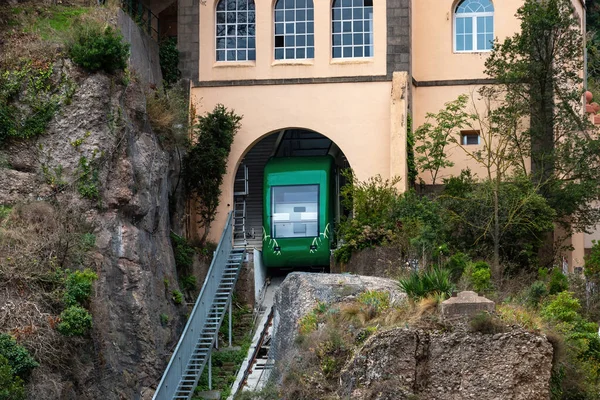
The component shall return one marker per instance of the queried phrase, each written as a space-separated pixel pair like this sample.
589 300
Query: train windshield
295 211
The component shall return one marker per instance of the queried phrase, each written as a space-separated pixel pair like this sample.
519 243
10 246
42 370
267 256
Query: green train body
297 212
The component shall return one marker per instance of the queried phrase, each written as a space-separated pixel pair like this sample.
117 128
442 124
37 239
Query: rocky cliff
333 339
99 159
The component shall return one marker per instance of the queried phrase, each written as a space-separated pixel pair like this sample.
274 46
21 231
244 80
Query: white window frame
473 17
235 37
352 20
295 34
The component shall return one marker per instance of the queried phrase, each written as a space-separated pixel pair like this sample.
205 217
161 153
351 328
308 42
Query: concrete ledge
466 304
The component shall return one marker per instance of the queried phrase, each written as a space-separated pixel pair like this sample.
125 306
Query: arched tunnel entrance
248 194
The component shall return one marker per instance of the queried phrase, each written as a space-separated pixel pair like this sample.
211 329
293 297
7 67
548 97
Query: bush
96 48
169 61
19 359
183 252
177 297
486 323
537 291
206 162
434 282
380 301
11 386
78 287
74 321
558 282
457 264
563 308
479 275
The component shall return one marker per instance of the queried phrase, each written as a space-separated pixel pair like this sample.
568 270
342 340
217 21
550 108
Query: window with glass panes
352 28
474 25
294 29
236 30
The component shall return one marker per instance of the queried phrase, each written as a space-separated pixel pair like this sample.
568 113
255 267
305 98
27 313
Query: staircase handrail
143 16
185 347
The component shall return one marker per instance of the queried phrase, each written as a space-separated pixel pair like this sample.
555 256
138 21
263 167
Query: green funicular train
298 211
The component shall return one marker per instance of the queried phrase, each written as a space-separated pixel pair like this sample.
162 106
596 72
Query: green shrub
206 162
74 321
537 291
88 181
434 282
592 262
379 300
98 48
486 323
19 359
480 275
164 319
457 264
183 252
177 297
169 61
558 282
563 308
188 283
308 323
78 287
11 385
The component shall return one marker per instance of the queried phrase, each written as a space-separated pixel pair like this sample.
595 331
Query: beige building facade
349 70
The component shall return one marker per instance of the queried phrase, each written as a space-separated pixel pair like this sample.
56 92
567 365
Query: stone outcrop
300 292
106 124
402 363
466 304
405 363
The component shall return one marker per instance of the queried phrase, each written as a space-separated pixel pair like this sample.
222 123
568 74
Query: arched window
352 28
294 29
474 25
236 30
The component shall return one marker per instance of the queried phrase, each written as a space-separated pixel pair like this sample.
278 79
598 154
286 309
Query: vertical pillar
210 370
398 128
230 321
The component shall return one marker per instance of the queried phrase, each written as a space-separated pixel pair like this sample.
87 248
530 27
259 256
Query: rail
143 16
168 385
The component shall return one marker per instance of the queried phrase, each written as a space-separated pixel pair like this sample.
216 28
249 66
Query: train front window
295 211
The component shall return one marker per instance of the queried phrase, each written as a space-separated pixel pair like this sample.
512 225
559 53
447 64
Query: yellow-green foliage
514 314
380 301
308 323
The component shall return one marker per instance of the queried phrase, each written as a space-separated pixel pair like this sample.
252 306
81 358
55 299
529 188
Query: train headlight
276 248
313 246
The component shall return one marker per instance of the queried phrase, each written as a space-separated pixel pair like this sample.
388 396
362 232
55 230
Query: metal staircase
198 338
239 207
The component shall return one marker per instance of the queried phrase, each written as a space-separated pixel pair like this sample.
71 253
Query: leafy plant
20 361
88 180
169 61
78 287
177 297
98 48
486 323
74 321
457 264
479 275
188 283
308 323
164 319
537 291
183 252
11 385
434 138
206 162
420 285
558 282
379 300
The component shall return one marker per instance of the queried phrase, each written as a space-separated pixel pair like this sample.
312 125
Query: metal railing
143 16
189 337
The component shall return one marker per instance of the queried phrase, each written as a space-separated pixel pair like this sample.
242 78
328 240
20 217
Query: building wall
361 128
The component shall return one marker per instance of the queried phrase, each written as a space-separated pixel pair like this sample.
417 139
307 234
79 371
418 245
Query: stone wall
398 36
188 38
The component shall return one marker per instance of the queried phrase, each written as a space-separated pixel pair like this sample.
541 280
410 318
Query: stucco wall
355 116
433 56
265 67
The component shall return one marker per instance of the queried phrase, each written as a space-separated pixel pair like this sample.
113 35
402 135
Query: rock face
407 363
300 292
400 363
106 124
